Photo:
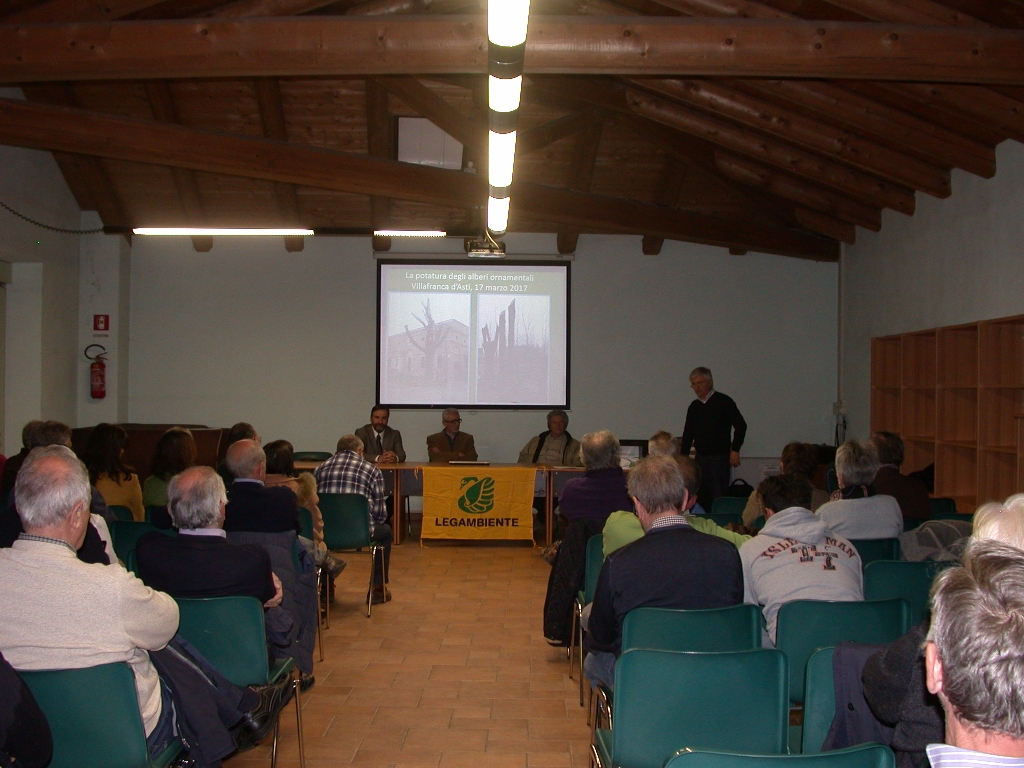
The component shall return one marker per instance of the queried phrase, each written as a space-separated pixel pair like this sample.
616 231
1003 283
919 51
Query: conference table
406 479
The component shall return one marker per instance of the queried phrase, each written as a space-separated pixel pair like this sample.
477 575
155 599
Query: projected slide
468 335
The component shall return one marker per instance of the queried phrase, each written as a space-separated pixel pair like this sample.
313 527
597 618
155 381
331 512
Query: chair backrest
126 534
94 716
819 700
724 518
804 626
120 512
728 505
592 569
876 549
131 562
312 455
346 520
942 507
693 691
306 521
912 581
831 479
229 632
860 756
736 628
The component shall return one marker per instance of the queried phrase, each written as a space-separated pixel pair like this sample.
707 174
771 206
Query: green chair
126 534
312 455
346 519
819 700
230 634
860 756
807 625
306 521
876 549
120 512
943 508
728 505
94 718
831 479
592 569
132 563
670 700
759 523
912 581
724 518
736 628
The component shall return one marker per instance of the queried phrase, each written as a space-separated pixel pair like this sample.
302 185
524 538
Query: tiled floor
453 673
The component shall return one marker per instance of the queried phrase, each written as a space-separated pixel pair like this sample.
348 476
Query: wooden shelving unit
956 396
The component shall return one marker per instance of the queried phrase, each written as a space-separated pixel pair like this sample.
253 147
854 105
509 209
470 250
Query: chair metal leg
322 593
373 566
273 749
298 718
595 757
572 634
580 659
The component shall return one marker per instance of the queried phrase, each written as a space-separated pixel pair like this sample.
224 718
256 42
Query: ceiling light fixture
219 232
409 233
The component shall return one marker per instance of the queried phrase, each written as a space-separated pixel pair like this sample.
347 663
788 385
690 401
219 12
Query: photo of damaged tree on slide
430 363
513 349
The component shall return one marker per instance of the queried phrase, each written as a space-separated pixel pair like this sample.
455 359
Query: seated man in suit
251 505
381 443
908 491
200 561
671 566
450 444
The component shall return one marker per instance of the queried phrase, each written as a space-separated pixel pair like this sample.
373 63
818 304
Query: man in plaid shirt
347 472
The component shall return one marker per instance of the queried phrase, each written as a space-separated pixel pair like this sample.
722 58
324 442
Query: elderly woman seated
857 511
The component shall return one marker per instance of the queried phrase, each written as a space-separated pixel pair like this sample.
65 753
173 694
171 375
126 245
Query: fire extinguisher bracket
100 347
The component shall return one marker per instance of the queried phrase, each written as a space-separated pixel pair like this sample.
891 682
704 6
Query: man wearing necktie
382 444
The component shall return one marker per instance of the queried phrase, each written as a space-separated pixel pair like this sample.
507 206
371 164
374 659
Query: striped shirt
946 756
347 472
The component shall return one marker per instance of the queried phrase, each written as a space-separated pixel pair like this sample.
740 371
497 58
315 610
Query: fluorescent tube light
507 21
409 233
208 231
503 95
497 213
501 157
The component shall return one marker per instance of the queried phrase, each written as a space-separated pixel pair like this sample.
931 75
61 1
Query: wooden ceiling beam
410 45
272 119
883 123
581 171
804 194
63 129
385 7
241 9
380 143
670 186
826 225
548 133
999 112
803 131
465 130
908 12
161 102
56 11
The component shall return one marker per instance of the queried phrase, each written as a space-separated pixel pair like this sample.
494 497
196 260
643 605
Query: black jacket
204 566
675 567
254 507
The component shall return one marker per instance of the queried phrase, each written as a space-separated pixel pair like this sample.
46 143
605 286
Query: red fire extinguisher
97 372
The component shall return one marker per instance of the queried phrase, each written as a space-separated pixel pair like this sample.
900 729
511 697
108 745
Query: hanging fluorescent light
506 21
501 156
209 231
409 233
503 95
497 214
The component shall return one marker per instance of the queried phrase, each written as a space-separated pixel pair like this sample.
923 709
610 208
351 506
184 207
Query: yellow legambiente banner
478 502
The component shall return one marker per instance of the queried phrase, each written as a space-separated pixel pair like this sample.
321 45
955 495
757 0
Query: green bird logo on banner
477 496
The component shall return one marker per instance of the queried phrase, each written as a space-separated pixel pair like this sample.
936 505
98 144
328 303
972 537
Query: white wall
287 341
957 260
23 357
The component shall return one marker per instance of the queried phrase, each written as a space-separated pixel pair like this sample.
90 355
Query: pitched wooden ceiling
777 126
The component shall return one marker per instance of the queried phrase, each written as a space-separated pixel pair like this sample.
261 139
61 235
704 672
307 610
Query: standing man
717 427
450 444
381 443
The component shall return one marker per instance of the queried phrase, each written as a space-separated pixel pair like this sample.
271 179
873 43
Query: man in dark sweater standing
716 426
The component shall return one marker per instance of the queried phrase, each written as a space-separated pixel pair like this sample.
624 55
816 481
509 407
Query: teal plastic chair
724 518
804 626
306 522
860 756
831 479
876 549
120 512
230 634
592 569
819 700
311 455
943 507
728 505
132 563
668 700
912 581
126 534
94 718
346 519
736 628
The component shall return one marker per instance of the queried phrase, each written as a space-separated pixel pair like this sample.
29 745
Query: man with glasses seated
450 444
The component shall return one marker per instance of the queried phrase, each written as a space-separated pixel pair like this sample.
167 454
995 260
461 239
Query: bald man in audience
251 505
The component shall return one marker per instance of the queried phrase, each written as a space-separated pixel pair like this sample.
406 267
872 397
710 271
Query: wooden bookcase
955 395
